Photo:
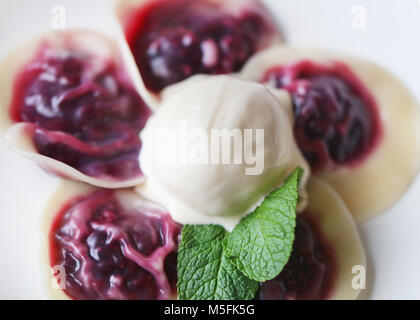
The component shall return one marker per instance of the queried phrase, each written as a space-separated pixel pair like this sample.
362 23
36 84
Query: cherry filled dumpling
172 40
110 244
326 248
355 123
68 102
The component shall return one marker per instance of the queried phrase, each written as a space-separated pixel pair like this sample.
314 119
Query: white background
391 38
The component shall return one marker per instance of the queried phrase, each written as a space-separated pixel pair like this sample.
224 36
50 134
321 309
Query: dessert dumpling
172 40
110 244
327 252
68 102
356 124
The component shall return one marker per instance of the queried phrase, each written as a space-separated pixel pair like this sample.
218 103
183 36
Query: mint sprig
205 272
216 265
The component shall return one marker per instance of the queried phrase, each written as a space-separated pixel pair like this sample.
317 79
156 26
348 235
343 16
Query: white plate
390 38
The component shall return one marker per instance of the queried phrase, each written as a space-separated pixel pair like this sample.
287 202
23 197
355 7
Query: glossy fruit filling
172 40
311 270
336 117
110 251
83 111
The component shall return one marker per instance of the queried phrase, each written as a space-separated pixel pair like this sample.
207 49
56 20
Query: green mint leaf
261 244
205 272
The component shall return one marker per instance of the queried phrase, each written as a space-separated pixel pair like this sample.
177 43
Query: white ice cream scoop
215 147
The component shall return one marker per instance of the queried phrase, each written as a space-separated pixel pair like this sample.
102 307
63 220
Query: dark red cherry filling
311 270
336 117
84 112
111 252
174 39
